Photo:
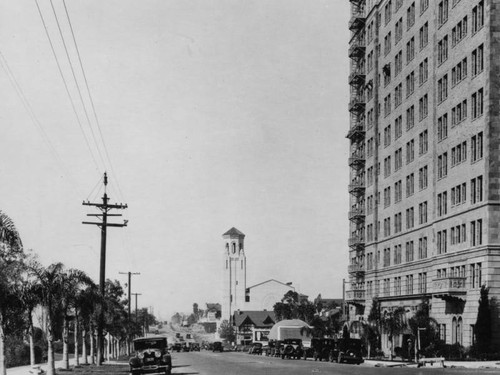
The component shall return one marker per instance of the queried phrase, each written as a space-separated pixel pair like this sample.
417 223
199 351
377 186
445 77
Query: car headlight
134 362
141 355
157 354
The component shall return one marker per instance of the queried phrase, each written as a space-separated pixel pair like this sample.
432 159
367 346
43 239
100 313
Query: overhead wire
77 85
31 113
91 99
66 86
94 188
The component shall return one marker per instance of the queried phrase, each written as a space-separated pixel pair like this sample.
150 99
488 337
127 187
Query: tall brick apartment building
425 159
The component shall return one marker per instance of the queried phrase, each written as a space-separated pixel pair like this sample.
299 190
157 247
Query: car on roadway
177 347
291 348
194 347
217 346
350 351
323 349
151 356
256 348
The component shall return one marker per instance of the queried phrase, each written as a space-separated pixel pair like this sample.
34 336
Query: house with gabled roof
253 326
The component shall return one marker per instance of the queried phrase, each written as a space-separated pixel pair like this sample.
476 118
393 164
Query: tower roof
233 232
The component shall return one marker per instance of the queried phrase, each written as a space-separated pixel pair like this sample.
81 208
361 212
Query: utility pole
129 289
105 207
136 294
129 305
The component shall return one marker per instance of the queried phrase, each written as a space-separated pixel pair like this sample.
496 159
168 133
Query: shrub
17 352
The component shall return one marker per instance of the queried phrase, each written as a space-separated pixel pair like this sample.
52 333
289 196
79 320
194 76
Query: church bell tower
234 273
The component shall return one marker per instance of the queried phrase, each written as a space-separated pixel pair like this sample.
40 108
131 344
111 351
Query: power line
29 109
90 98
66 85
77 85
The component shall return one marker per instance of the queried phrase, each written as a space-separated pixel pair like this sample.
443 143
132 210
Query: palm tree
73 281
373 329
11 254
30 299
427 326
51 281
84 305
393 323
88 304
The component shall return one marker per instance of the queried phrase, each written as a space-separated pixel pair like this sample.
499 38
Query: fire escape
356 292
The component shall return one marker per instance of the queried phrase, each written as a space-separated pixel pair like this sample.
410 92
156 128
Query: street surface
231 363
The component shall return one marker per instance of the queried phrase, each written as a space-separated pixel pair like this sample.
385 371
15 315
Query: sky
206 115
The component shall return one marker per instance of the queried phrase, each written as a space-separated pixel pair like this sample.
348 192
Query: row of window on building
459 31
457 235
405 284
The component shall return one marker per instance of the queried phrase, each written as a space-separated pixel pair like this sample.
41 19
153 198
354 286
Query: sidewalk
448 364
25 370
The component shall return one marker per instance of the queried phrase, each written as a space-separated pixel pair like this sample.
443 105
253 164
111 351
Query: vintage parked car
217 347
151 356
256 348
194 347
177 347
291 348
323 349
350 351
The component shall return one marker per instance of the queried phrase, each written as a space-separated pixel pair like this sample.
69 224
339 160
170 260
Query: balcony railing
357 77
357 48
357 160
449 286
356 268
357 104
356 241
357 187
357 214
357 130
354 296
357 20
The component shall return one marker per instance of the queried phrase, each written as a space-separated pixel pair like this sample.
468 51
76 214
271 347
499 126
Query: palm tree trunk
390 348
77 339
3 365
84 347
92 360
32 347
51 365
65 357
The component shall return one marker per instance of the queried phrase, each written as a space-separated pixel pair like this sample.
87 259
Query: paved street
208 363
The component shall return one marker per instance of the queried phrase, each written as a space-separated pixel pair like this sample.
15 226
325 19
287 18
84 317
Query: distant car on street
177 347
217 347
350 351
256 348
291 348
323 349
194 347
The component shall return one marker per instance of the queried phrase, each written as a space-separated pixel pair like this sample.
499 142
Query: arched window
459 331
454 330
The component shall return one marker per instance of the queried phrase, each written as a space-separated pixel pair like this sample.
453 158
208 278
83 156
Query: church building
236 294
